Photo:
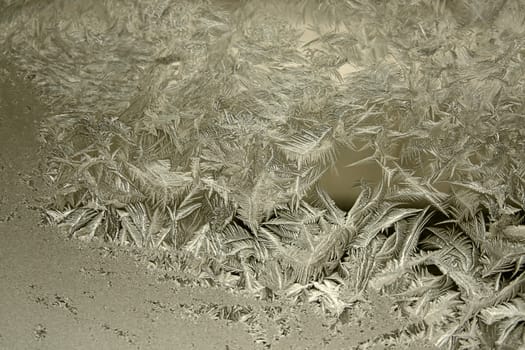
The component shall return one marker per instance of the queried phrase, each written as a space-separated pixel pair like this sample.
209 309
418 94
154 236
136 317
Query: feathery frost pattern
187 129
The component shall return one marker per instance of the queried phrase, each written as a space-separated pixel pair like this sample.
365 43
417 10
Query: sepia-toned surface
433 89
